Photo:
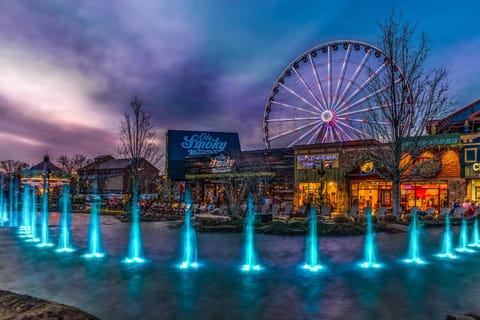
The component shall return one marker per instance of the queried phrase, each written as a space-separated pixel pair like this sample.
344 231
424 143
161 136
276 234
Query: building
48 173
115 175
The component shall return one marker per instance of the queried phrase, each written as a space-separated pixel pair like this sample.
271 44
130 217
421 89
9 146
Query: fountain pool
157 289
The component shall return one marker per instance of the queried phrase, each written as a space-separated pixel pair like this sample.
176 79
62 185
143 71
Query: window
470 155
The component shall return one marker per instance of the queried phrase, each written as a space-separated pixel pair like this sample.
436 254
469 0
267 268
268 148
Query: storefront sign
308 161
367 168
426 168
203 143
476 166
221 163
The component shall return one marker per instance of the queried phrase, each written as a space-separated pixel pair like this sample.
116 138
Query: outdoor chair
302 211
326 211
353 211
445 211
430 211
275 209
458 212
287 210
381 212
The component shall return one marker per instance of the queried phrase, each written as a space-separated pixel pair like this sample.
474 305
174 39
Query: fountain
475 240
3 202
463 240
369 246
189 237
95 248
311 249
414 230
250 259
135 243
24 229
15 202
11 191
33 217
447 241
45 215
64 244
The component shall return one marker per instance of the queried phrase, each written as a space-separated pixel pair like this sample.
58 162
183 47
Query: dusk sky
69 68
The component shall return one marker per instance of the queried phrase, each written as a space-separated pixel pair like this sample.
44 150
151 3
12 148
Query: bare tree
252 176
75 162
137 135
12 166
409 97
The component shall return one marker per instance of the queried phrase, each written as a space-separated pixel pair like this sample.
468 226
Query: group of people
468 205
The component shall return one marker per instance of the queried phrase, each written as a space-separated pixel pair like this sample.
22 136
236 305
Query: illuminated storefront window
372 194
311 193
424 194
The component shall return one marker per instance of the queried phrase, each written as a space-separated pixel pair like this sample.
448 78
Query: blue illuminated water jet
414 231
189 238
3 202
369 250
24 229
463 240
311 248
64 240
95 247
135 242
447 241
249 253
16 193
33 217
475 240
44 216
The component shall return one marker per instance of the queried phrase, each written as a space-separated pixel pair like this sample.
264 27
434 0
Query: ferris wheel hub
327 116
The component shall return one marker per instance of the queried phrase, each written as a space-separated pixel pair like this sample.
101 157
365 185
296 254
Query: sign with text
183 143
221 163
310 161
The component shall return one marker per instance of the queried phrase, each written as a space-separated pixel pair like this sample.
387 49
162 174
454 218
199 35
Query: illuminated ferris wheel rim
327 114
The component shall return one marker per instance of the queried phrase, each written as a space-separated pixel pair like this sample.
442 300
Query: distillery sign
221 163
203 143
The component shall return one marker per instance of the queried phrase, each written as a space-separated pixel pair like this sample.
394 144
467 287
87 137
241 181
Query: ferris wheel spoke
286 133
362 133
329 77
295 108
294 142
363 85
344 132
342 73
355 75
309 90
317 79
368 109
317 132
365 121
299 96
293 119
364 99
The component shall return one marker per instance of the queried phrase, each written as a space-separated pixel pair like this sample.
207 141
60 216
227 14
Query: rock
458 317
212 220
473 315
395 228
23 307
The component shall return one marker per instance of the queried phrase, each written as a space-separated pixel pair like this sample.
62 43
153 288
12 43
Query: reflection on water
219 290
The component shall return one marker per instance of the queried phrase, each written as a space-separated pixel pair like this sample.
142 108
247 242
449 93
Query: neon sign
203 143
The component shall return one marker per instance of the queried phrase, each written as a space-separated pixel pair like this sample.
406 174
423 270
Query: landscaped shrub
428 218
441 217
361 219
389 218
407 218
341 218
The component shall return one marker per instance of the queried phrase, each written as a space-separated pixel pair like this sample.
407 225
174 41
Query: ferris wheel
328 94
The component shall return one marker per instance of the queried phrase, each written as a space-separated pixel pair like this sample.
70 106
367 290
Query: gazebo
53 175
